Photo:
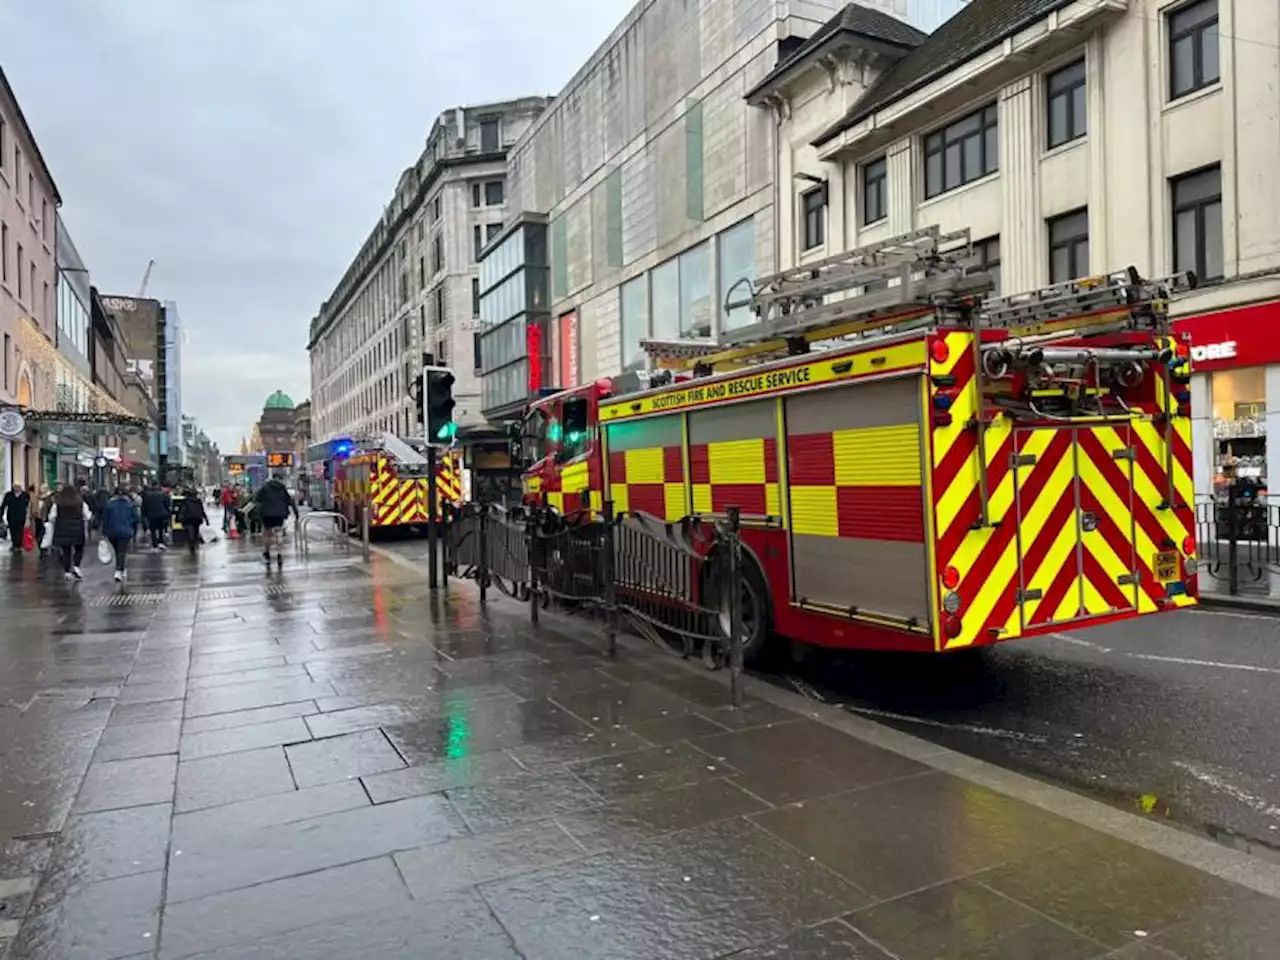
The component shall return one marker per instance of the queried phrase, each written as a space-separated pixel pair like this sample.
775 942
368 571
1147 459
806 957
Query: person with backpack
191 515
119 525
275 503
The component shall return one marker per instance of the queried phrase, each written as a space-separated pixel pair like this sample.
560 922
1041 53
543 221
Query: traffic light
438 404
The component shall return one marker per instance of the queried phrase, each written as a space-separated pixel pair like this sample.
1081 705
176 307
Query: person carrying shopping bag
68 530
119 526
191 514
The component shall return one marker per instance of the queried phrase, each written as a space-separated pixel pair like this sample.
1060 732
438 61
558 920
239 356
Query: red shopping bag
28 539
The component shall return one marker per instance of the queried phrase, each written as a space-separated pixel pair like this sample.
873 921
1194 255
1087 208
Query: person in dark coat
119 525
275 503
70 518
191 515
157 508
13 510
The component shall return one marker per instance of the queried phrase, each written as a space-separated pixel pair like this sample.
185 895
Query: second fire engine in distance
387 476
917 468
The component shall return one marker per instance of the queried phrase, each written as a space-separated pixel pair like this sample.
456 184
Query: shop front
1235 407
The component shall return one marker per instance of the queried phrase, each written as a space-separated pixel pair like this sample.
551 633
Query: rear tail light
952 627
951 578
942 420
938 350
1189 546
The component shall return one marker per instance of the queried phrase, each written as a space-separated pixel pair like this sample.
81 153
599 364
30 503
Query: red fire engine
917 468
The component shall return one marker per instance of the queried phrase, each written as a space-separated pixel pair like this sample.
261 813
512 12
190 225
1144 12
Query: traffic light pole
432 530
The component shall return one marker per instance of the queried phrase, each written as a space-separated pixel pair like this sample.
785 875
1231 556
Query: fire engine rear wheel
753 595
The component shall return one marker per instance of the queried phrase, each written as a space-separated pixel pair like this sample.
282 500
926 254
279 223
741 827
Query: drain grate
128 600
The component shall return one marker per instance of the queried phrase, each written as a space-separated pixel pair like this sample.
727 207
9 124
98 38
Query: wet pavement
330 763
1176 717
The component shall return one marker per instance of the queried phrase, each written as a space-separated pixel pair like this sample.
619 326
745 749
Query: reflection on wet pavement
330 763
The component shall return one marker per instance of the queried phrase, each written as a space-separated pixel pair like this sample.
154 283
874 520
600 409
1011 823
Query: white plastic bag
47 540
105 553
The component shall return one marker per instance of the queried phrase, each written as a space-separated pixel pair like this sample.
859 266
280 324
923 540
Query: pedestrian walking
13 510
275 503
157 509
191 515
69 522
119 526
227 499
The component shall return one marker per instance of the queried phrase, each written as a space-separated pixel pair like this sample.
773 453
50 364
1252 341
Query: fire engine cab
917 467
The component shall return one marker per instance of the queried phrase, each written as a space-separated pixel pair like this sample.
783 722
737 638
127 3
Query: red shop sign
1243 337
533 345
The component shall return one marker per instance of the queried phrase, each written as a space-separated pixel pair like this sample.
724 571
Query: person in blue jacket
120 526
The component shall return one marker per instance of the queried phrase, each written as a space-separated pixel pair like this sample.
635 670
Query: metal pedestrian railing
1238 542
334 527
668 582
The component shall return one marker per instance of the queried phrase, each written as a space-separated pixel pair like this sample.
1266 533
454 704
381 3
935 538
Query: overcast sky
249 146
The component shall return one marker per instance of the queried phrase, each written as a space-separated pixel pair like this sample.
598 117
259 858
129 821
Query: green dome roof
279 401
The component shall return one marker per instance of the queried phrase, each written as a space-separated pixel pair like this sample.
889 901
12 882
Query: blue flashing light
942 401
1175 589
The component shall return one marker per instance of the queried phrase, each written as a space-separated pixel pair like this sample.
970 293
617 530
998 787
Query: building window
875 176
1197 223
962 152
633 306
988 253
4 252
664 300
1069 246
736 251
1193 47
695 292
475 296
475 195
6 361
3 130
813 206
435 209
494 193
478 238
21 288
491 230
437 255
1068 115
489 136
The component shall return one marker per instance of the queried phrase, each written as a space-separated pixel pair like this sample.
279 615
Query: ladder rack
922 278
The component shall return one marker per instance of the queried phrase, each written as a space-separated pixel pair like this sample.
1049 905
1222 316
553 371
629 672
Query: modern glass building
513 346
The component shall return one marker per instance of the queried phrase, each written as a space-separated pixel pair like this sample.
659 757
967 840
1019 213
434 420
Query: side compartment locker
733 459
646 466
854 468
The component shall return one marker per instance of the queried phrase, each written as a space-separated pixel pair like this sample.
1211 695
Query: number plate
1166 566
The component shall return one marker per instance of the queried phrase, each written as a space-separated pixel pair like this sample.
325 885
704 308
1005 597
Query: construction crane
146 278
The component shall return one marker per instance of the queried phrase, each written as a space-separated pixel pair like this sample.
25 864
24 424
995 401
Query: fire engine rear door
1075 538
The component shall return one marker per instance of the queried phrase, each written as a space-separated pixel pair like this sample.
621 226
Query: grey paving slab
671 729
706 893
130 713
342 758
212 664
967 921
151 692
457 926
211 743
636 818
231 777
251 695
1108 889
215 822
366 718
280 905
149 738
832 940
441 775
649 770
245 718
127 783
466 861
292 849
107 920
102 846
901 836
497 804
255 675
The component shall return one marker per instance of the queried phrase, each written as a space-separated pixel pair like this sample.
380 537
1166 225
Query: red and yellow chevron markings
1080 524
